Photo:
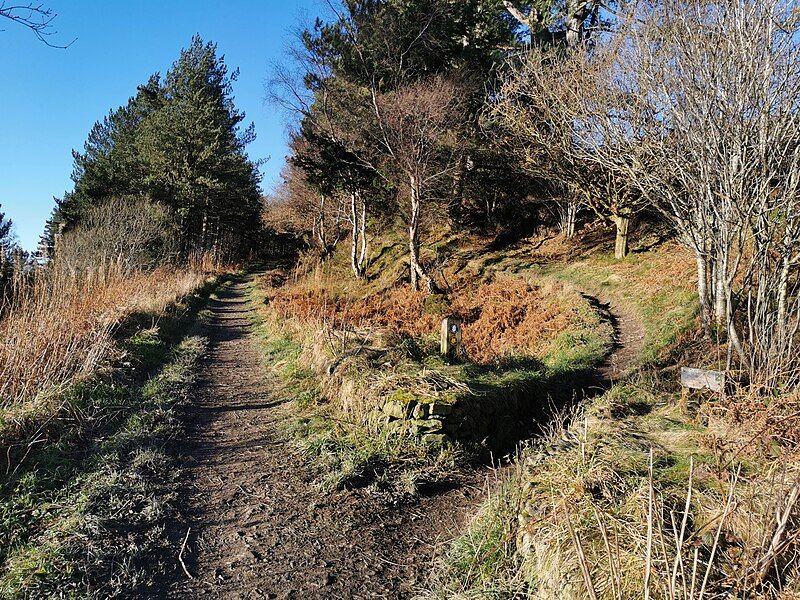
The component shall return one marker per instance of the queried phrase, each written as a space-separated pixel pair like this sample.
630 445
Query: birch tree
722 83
418 125
694 106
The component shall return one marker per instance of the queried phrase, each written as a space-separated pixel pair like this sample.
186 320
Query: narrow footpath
258 528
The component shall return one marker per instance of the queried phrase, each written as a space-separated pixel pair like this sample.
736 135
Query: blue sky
51 98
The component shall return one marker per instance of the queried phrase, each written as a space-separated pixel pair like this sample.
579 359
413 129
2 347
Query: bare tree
298 208
418 125
132 232
722 83
556 109
36 17
694 108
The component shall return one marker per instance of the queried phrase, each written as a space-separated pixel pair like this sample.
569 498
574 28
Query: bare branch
36 17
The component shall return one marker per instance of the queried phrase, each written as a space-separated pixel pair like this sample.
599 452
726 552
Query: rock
424 425
395 424
395 409
420 411
440 410
433 424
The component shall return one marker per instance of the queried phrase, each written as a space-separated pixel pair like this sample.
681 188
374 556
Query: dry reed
57 326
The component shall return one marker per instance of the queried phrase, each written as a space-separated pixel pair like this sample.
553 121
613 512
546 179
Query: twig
777 544
180 554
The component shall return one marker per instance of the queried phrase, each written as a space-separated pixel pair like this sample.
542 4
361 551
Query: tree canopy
180 141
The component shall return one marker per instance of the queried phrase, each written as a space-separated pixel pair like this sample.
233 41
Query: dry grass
656 283
635 500
58 328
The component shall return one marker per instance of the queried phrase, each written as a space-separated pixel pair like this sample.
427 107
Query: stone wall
491 417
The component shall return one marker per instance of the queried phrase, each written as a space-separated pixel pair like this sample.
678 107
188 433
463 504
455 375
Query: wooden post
451 337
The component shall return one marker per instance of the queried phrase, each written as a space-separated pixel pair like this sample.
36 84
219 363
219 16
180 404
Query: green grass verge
85 508
665 309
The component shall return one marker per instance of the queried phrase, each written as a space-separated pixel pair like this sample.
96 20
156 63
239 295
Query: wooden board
703 379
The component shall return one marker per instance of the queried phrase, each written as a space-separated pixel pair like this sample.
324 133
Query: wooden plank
703 379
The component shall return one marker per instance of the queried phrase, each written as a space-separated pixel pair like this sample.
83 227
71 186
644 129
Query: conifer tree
6 249
178 141
193 152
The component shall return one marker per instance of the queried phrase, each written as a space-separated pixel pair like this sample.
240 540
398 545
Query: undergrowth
344 351
635 494
348 453
83 512
657 285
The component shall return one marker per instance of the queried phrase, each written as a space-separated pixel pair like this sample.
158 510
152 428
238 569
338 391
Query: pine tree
6 250
109 164
193 152
178 142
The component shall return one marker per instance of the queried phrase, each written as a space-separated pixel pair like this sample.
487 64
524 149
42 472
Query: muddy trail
256 525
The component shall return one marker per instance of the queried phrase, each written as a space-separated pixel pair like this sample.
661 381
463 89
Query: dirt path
259 528
629 337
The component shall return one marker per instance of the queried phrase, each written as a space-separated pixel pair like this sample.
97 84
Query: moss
436 304
407 398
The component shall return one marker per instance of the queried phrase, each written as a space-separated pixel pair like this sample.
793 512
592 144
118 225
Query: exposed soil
628 338
259 528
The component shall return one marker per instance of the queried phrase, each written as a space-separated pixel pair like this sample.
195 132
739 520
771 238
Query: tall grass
57 327
634 500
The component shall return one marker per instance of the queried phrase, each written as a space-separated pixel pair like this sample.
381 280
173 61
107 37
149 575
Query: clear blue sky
51 98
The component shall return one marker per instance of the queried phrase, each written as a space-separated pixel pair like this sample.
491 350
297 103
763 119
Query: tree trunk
417 271
355 231
702 290
721 307
574 31
621 245
357 218
362 259
321 233
413 235
568 217
734 340
204 230
783 293
3 271
577 13
457 197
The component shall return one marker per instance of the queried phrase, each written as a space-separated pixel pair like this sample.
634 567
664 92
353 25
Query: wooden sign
703 379
451 337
